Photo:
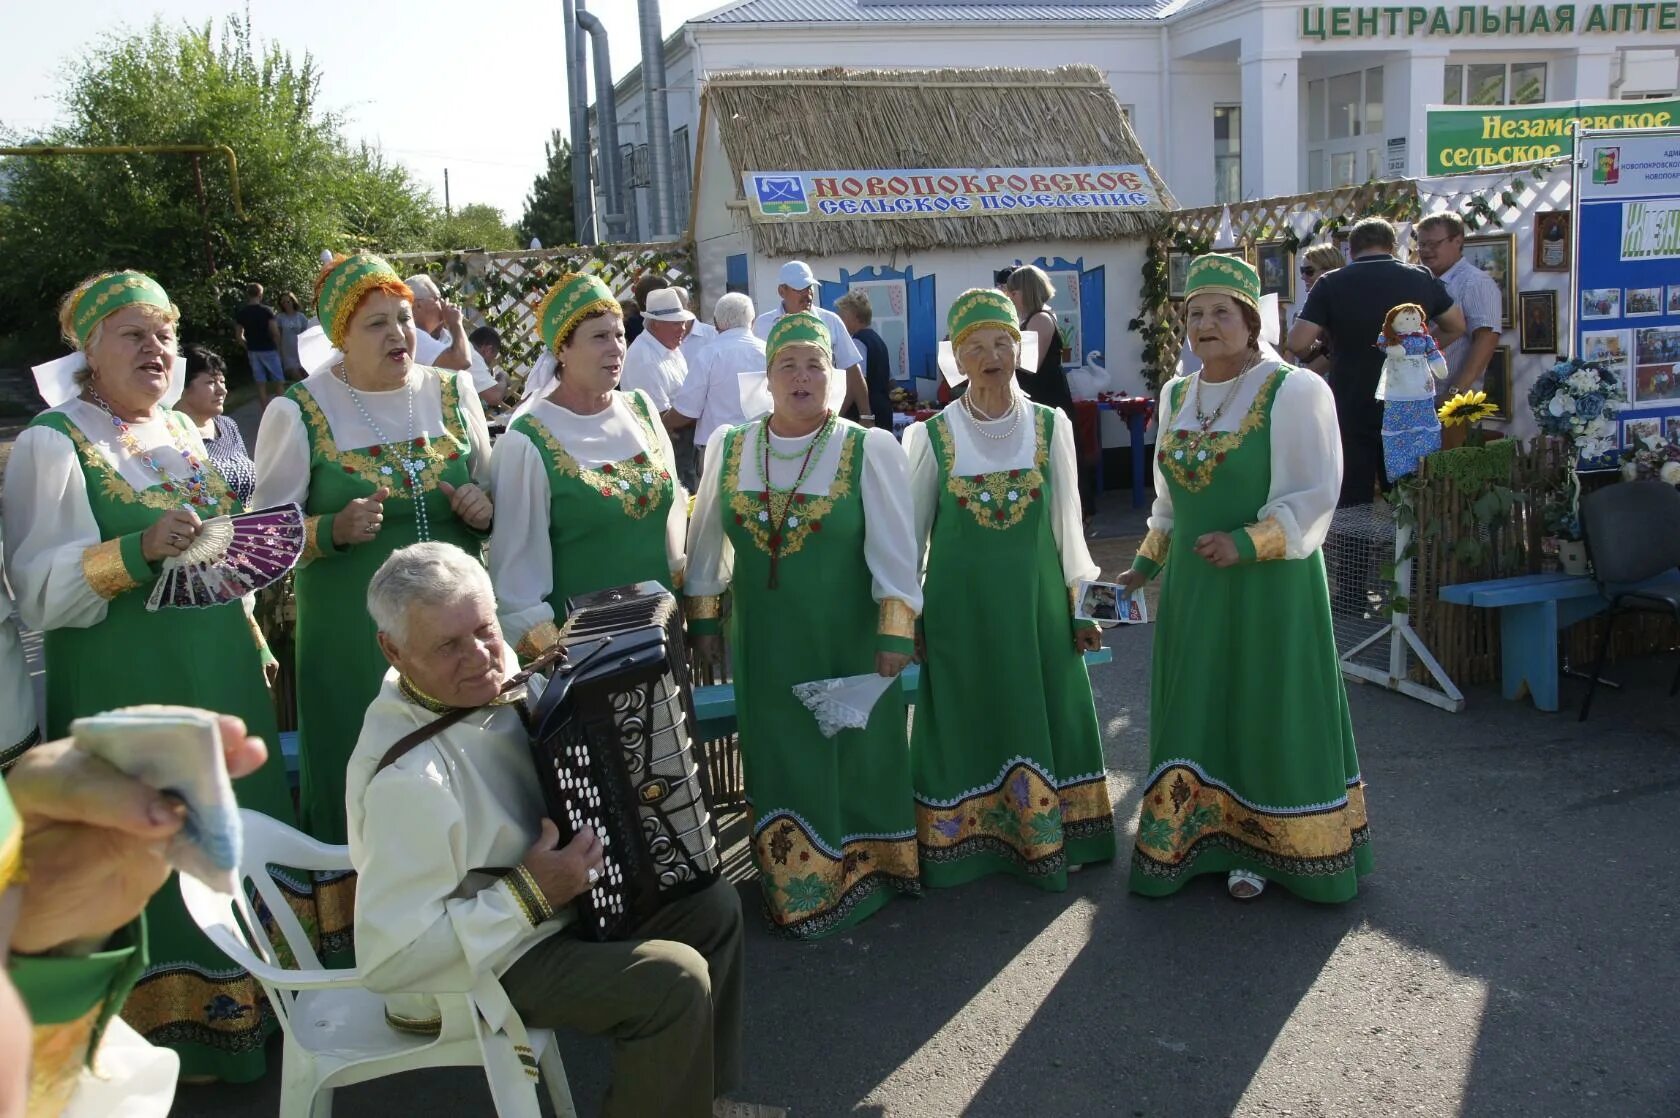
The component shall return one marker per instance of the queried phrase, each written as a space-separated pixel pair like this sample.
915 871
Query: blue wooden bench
714 707
1533 609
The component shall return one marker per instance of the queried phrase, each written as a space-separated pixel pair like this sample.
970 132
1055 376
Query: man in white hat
798 289
655 364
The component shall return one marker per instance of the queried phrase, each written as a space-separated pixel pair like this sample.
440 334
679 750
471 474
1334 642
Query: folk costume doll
1411 367
805 517
101 488
584 478
380 453
1006 751
1253 772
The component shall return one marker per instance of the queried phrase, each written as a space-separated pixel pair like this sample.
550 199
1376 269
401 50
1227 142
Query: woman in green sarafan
102 488
1253 773
1006 750
380 453
805 517
584 478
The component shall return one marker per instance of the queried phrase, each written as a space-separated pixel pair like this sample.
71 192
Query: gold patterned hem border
1022 810
105 571
1180 810
537 640
897 619
805 514
59 1052
228 1013
1269 539
807 890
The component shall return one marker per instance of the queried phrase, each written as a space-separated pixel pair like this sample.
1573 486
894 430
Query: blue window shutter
1093 316
735 273
829 293
923 327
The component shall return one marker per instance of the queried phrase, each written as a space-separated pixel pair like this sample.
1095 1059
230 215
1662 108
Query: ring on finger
594 875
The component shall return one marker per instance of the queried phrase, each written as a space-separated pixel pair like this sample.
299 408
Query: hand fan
232 556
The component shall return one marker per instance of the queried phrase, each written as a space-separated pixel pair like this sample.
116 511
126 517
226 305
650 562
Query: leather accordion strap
442 722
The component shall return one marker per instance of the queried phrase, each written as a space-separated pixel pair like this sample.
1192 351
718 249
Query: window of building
682 174
1495 83
1227 153
1345 122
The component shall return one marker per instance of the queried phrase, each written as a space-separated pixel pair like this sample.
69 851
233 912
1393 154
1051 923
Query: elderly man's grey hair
733 311
423 286
423 574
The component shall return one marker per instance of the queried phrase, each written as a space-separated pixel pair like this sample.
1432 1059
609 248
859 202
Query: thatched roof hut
777 120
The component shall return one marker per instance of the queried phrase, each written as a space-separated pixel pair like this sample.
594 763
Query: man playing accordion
464 887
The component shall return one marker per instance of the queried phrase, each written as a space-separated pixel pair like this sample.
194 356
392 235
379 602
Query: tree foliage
548 207
474 226
304 187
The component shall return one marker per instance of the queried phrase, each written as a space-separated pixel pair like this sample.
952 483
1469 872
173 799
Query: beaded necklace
412 468
194 483
778 522
1205 422
975 415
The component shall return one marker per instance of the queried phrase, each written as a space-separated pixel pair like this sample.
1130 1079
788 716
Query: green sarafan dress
339 664
1006 750
73 515
1252 761
833 830
584 503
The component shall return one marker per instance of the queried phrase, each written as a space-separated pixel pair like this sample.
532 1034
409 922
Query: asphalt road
1514 953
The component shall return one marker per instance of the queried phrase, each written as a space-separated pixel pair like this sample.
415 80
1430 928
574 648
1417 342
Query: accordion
612 741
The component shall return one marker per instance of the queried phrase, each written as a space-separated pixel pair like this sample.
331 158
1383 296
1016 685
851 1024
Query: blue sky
475 87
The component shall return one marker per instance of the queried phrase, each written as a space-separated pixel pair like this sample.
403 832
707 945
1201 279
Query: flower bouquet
1653 458
1579 400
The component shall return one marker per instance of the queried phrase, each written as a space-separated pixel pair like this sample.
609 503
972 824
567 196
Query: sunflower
1467 408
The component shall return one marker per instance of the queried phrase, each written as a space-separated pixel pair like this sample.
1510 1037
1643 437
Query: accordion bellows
613 746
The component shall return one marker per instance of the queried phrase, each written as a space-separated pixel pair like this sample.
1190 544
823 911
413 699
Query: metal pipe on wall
606 122
663 197
577 103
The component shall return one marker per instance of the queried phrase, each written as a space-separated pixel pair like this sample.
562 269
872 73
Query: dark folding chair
1632 530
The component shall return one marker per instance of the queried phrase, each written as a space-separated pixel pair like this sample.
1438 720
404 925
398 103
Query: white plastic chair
335 1029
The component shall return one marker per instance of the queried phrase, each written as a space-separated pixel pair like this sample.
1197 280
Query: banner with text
946 192
1468 138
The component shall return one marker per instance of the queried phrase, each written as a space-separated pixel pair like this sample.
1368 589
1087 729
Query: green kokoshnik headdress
576 296
979 307
798 328
110 294
1225 275
341 287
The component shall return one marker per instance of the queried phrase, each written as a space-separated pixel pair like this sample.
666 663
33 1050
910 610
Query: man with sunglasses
1440 241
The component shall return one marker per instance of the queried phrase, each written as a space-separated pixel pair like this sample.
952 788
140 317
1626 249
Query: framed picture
1551 242
1495 254
1496 381
1643 302
1673 299
1276 265
1601 302
1539 322
1178 272
1656 365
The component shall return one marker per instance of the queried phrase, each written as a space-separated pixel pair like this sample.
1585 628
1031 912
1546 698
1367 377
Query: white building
1232 99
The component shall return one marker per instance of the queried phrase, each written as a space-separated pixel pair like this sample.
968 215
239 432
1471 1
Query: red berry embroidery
962 502
454 455
420 443
605 492
641 500
1033 493
376 450
776 540
998 515
804 855
1014 473
168 488
349 469
739 519
800 498
816 525
1220 457
607 468
641 459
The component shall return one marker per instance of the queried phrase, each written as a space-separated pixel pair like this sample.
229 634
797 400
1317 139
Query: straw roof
802 120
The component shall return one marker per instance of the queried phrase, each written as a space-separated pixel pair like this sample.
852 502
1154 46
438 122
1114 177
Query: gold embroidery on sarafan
1022 810
805 512
379 465
703 607
635 483
1191 457
999 499
58 1054
806 884
164 496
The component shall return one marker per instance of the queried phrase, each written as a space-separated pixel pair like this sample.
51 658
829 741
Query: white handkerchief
844 703
177 750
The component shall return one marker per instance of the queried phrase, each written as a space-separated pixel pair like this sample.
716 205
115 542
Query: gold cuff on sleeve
704 607
897 619
538 640
105 571
1154 546
1268 539
312 546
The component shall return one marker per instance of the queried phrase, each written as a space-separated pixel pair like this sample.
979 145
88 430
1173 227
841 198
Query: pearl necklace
976 416
412 468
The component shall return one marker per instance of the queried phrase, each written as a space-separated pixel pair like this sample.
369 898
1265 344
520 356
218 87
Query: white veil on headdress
56 380
1188 362
539 382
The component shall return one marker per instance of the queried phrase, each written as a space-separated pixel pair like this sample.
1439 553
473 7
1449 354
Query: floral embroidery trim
1026 814
999 499
377 464
1269 539
1155 546
105 571
164 496
752 510
640 483
897 619
537 640
1184 454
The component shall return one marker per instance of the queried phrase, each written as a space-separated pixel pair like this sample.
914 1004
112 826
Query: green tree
304 187
474 226
548 208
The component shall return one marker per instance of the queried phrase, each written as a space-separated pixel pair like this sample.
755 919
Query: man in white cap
655 364
798 289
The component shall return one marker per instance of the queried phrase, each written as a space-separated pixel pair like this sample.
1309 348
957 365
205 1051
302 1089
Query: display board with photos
1628 272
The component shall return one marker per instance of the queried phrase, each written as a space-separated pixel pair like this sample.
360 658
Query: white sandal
1238 879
